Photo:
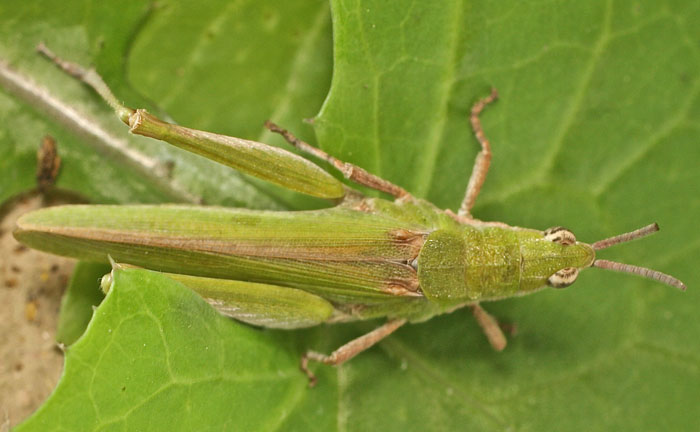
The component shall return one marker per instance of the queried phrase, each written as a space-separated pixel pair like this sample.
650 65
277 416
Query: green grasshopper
404 260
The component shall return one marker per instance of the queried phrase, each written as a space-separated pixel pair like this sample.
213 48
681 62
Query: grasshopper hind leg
350 349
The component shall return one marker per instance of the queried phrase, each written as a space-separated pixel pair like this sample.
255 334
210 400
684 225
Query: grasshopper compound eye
566 276
563 278
560 235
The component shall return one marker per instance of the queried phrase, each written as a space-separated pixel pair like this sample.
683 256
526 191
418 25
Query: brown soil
31 286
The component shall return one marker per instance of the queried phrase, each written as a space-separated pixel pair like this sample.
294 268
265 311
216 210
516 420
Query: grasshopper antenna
628 268
89 77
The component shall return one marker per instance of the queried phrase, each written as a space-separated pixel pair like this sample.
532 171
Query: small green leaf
82 295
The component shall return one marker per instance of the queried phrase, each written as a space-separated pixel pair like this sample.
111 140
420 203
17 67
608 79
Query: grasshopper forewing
403 260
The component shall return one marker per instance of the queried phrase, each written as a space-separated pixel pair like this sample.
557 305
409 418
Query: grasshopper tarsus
350 171
304 367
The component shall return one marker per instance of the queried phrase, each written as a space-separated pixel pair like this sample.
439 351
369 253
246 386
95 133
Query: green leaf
82 295
596 129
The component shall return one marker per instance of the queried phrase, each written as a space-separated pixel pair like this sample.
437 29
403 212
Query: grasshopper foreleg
483 159
350 171
350 349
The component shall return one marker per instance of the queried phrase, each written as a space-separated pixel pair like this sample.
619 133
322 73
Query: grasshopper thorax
472 264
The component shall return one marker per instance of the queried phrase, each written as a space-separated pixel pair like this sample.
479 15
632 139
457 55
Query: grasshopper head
571 248
554 260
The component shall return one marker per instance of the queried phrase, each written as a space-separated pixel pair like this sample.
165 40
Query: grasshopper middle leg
350 349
